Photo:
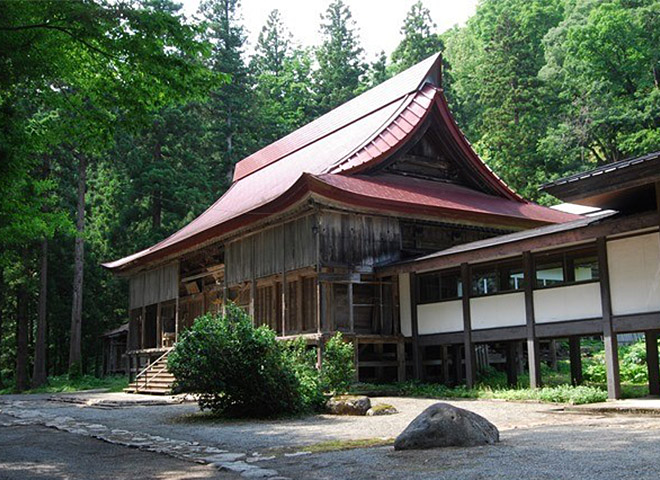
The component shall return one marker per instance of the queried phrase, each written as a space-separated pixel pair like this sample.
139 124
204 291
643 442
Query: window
439 286
549 271
584 267
512 277
484 281
505 277
566 268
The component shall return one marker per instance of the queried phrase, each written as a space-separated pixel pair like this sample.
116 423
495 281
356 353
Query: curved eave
415 209
394 135
281 203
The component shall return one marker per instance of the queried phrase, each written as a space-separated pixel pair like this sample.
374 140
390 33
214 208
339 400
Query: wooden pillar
576 360
458 364
225 295
416 353
401 361
253 298
159 326
553 355
651 338
143 330
378 350
533 356
351 309
511 367
444 352
470 367
319 353
356 358
609 336
299 305
176 316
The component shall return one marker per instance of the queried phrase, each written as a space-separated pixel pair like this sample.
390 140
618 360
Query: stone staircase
155 379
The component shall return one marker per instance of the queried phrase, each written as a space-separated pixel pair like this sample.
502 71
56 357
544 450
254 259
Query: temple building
379 220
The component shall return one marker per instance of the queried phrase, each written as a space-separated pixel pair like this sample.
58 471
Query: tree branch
48 26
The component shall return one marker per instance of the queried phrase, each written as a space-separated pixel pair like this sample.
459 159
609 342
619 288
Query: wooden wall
358 240
153 286
291 245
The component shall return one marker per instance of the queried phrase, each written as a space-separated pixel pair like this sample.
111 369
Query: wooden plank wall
261 254
358 240
153 286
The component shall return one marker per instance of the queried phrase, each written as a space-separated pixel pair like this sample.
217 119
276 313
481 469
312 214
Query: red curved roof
329 152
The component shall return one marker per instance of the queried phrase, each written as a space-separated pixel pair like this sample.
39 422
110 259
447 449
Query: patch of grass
63 384
335 445
550 394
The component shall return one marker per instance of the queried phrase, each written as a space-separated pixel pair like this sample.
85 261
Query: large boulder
349 405
443 425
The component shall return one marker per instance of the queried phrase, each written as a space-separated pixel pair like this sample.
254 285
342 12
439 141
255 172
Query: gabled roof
624 185
352 139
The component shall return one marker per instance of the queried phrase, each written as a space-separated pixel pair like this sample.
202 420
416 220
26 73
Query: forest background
120 121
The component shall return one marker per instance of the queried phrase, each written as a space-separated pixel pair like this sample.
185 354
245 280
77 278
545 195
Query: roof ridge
370 101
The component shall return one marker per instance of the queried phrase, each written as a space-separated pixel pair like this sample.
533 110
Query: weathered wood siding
263 253
153 286
358 240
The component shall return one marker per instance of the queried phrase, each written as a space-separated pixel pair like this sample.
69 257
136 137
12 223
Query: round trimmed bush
234 368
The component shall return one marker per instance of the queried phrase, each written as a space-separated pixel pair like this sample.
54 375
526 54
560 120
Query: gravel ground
553 453
539 441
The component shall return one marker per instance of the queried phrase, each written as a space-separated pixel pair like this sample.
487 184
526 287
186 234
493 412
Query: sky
378 22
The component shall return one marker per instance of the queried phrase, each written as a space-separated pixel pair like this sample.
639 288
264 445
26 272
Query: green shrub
303 363
236 369
338 368
632 364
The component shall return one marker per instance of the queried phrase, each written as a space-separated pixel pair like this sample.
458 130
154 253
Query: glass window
484 281
549 272
584 268
434 287
451 286
566 268
512 277
429 288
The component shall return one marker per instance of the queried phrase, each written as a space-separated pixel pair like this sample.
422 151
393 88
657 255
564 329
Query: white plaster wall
405 313
575 302
506 310
440 317
635 274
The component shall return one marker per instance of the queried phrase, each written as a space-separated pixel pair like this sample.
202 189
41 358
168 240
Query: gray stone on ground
349 405
443 425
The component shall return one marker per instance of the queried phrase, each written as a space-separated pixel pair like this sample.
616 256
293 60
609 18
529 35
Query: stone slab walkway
237 462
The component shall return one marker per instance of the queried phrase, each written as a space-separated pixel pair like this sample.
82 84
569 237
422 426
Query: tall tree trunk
75 356
39 373
22 321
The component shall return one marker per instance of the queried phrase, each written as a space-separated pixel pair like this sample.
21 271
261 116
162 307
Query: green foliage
302 361
236 370
420 40
632 364
555 394
340 65
338 369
